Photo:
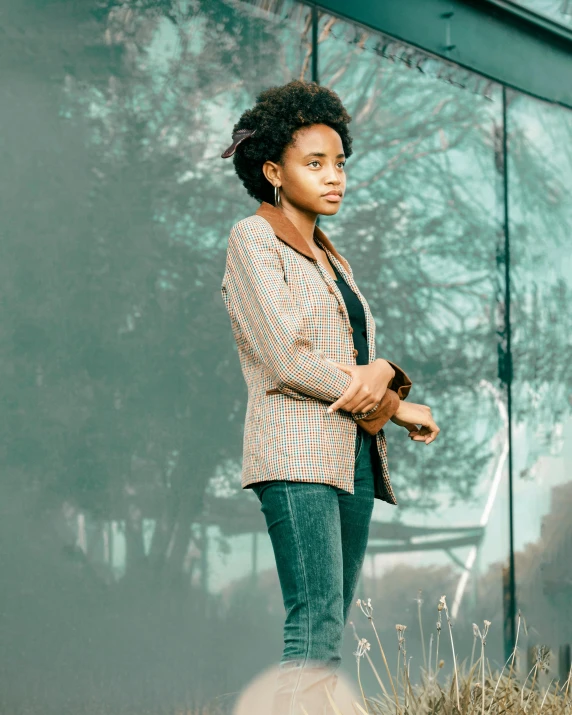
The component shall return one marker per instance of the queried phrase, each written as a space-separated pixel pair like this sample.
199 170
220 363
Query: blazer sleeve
255 290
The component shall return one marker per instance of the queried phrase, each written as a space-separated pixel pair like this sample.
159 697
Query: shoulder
252 233
253 224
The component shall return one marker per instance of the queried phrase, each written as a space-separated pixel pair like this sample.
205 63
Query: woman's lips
333 197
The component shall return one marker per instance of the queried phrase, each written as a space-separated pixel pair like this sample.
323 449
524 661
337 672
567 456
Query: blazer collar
287 232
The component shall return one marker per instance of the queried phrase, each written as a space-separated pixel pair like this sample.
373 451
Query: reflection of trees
148 375
122 380
122 385
557 10
180 398
423 246
540 276
426 242
545 580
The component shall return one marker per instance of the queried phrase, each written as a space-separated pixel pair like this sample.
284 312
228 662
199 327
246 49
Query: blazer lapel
286 231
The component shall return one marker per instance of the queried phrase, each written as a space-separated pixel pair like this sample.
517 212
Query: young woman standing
314 450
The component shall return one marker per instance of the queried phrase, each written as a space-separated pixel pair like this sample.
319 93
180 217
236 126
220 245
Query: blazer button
355 352
351 329
330 289
340 309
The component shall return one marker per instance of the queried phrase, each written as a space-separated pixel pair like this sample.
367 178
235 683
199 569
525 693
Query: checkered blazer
289 319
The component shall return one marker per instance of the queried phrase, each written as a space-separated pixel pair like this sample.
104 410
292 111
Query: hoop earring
277 200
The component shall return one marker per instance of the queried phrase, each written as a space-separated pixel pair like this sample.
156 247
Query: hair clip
237 137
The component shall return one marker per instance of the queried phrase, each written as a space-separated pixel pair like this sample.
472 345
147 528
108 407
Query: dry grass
472 689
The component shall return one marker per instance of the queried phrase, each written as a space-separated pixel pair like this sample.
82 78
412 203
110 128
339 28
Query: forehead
317 138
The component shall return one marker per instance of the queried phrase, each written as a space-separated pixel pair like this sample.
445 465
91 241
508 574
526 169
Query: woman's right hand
410 414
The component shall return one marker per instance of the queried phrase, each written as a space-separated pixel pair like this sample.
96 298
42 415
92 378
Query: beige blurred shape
257 696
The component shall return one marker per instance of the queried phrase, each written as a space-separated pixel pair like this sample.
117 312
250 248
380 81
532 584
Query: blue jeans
319 534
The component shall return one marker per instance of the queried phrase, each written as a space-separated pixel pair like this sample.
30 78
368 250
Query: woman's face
311 168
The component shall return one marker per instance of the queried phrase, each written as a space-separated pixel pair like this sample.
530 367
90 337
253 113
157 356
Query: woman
315 451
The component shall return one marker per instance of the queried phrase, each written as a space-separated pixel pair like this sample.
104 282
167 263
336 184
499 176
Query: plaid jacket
289 319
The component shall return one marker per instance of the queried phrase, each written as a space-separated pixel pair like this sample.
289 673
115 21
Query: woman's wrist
387 370
382 413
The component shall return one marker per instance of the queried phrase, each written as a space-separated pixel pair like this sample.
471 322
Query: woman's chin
330 208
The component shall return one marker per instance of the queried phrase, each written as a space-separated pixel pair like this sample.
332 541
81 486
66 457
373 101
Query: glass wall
559 11
540 175
137 574
129 555
422 227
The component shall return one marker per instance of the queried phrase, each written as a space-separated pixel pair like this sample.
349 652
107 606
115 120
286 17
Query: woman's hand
409 415
368 385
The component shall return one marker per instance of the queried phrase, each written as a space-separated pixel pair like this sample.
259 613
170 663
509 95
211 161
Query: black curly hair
277 114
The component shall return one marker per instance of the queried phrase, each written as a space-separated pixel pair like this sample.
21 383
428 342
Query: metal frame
497 39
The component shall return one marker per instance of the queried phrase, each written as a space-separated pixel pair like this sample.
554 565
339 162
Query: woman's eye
315 161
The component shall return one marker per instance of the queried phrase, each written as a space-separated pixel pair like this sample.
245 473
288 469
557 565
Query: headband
237 137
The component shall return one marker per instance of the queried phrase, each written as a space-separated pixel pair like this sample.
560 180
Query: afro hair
278 113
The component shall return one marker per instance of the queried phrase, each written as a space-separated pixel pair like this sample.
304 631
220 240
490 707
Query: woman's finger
363 406
425 434
343 400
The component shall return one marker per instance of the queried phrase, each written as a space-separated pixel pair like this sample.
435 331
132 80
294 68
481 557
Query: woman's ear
271 171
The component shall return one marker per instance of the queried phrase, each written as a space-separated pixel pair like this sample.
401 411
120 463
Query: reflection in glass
559 11
129 557
540 173
136 572
422 227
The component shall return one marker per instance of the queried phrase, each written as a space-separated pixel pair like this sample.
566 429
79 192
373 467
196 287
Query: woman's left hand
367 387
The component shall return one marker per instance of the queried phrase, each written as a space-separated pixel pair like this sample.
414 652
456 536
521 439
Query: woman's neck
304 222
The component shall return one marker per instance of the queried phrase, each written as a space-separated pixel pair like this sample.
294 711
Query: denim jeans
319 535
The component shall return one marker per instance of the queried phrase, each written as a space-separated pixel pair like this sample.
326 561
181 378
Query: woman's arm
398 388
255 290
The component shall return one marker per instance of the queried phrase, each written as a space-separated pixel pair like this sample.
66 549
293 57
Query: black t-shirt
357 319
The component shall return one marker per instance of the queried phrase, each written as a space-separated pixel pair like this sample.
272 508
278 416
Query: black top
357 318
